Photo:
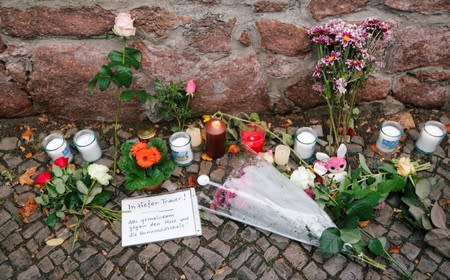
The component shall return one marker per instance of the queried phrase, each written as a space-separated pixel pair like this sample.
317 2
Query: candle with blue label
180 144
56 146
389 137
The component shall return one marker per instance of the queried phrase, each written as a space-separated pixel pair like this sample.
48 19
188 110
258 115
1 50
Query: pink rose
123 25
190 88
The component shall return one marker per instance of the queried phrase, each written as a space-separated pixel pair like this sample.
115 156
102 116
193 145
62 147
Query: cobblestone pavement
226 250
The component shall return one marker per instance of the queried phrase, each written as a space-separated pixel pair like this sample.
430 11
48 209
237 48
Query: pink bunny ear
342 150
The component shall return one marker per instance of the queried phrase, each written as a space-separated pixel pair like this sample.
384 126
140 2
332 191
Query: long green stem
116 130
81 214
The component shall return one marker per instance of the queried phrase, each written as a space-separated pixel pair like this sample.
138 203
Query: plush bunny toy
334 166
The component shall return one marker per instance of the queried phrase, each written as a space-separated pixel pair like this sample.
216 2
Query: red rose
43 177
61 162
351 132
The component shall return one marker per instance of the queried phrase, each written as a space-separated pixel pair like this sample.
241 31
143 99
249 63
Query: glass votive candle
86 142
253 136
196 136
430 137
389 137
180 144
282 153
305 142
56 146
216 131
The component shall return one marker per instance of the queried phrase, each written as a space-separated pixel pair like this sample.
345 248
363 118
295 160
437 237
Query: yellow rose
405 167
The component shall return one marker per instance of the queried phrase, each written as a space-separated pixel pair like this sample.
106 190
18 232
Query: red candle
253 137
215 138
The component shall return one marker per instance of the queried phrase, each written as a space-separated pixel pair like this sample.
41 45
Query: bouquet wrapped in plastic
257 194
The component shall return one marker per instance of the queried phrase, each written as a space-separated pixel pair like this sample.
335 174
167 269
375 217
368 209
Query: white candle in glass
389 137
431 136
282 153
180 144
56 146
196 136
86 142
305 142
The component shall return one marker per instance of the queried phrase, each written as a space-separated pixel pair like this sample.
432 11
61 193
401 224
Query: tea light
253 137
282 153
180 144
215 138
86 142
305 142
389 137
431 136
196 136
56 146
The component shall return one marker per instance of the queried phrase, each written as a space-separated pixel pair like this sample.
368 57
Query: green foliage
137 178
330 241
171 102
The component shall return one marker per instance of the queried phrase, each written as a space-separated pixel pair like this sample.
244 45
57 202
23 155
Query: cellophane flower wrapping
257 194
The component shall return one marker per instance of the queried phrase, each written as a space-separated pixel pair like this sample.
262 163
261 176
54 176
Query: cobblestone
249 234
220 247
8 143
352 271
214 260
282 269
160 261
229 231
171 248
196 263
134 271
45 265
6 271
31 273
92 265
20 259
245 274
426 265
242 257
70 265
271 253
335 264
313 272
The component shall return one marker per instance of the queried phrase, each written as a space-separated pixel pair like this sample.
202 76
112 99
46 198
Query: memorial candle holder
56 146
196 136
215 138
389 137
253 137
180 144
282 153
430 137
305 142
86 142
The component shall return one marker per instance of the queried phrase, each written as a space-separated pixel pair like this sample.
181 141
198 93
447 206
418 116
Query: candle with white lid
180 144
282 153
389 137
196 136
56 146
86 142
305 142
431 136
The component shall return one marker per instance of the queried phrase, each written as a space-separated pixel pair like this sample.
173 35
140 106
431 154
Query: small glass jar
146 134
180 144
389 137
196 136
86 142
430 137
282 153
56 146
305 142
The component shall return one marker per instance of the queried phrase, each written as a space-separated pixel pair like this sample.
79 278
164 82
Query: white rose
303 177
99 172
123 25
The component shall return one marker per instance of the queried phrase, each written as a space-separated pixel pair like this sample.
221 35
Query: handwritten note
161 217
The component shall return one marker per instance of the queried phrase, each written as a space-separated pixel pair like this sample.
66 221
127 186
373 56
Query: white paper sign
161 217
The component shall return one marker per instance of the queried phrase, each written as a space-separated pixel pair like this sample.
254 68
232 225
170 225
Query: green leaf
51 192
389 168
60 188
103 83
92 83
133 57
254 117
350 235
395 184
330 241
376 247
425 221
351 222
60 214
57 170
39 200
127 95
363 164
360 208
423 188
233 133
102 198
122 76
288 139
142 95
51 220
416 212
45 199
82 187
115 56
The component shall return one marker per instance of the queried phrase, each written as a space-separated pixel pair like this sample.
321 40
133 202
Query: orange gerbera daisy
145 158
137 147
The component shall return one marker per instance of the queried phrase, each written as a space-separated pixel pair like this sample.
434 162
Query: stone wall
246 55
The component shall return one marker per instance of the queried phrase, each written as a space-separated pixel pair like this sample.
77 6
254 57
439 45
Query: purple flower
329 59
317 72
355 64
373 26
317 87
222 199
339 86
